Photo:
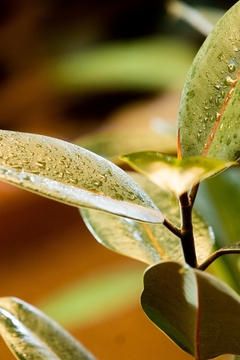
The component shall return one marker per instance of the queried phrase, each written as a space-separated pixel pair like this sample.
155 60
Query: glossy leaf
175 175
148 242
31 334
111 145
147 64
209 114
73 175
200 313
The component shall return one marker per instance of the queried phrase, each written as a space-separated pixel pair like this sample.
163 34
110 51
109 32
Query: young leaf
147 242
175 175
200 313
73 175
209 120
31 334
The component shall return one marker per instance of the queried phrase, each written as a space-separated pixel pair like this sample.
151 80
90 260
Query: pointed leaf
200 313
147 242
73 175
31 334
209 120
175 175
111 145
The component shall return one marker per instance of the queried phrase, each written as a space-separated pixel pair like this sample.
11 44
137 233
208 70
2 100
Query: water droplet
205 146
235 136
217 86
41 164
228 142
206 107
231 66
221 139
212 136
230 81
221 127
74 181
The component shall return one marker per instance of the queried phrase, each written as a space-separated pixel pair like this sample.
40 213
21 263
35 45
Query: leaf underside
148 243
200 313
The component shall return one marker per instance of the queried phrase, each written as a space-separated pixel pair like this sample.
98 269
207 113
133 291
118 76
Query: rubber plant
149 218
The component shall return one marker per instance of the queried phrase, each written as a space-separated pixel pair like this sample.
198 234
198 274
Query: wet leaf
73 175
175 175
31 334
200 313
147 242
111 145
209 114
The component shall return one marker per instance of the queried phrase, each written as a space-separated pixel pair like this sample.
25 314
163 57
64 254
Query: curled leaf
200 313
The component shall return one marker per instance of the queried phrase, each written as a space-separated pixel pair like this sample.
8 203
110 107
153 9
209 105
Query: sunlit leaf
175 175
209 116
144 65
30 334
73 175
111 145
147 242
200 313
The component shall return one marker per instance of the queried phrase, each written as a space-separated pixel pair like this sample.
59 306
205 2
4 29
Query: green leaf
219 200
200 313
148 243
111 145
73 175
209 114
147 64
30 334
175 175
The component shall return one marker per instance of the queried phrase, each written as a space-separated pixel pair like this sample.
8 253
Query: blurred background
69 69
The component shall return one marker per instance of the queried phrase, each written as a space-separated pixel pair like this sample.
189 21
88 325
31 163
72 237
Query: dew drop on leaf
231 66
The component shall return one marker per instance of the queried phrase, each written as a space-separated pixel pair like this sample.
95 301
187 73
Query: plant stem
216 255
170 226
187 239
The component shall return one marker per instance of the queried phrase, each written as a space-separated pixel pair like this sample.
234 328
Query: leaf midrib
220 114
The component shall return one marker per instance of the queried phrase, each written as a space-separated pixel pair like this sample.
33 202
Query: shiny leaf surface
30 334
209 120
175 175
200 313
149 243
73 175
